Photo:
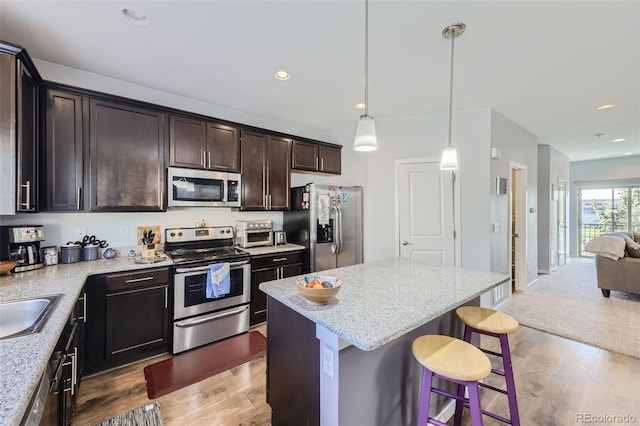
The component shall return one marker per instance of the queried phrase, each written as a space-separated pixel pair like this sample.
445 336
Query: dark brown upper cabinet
266 167
316 157
27 141
63 184
127 157
203 145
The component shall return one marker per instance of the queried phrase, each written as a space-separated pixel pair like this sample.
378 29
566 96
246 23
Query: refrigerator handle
339 219
335 248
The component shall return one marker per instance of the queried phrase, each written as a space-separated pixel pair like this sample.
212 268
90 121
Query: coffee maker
22 244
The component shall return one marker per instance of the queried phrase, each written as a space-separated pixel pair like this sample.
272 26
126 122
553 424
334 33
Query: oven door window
258 237
195 288
197 189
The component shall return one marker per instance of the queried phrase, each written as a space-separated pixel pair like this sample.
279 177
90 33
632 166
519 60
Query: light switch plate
327 361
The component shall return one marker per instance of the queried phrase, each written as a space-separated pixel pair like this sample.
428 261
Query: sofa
618 275
617 262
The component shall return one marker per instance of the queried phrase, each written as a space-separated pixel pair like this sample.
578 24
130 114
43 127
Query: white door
425 213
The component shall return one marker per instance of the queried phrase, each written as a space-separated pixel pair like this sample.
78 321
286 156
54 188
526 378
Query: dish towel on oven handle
218 280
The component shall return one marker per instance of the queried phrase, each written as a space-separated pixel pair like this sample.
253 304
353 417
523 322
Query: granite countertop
256 251
383 300
24 359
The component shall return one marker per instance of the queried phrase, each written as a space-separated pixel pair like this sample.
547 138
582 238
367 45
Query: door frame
520 189
456 203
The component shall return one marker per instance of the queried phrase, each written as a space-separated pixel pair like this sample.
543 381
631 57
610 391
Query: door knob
406 243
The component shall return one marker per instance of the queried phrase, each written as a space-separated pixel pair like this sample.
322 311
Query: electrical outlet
124 231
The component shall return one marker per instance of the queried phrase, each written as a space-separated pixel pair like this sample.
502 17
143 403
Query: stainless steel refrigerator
327 221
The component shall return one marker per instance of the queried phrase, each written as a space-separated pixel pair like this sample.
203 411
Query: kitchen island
349 362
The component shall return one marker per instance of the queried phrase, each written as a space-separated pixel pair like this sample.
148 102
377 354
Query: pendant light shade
366 139
366 135
449 160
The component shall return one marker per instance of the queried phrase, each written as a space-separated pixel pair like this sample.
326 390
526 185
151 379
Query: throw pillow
636 237
633 248
607 246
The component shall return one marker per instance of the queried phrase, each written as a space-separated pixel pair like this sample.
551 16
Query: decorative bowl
7 266
319 296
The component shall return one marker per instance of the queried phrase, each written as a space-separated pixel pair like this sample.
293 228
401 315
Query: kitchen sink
27 316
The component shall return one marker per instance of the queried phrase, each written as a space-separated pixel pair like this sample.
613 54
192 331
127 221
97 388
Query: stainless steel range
198 320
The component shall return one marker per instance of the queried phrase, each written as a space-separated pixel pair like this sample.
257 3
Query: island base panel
293 367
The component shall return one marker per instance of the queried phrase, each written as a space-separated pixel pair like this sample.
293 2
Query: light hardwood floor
557 380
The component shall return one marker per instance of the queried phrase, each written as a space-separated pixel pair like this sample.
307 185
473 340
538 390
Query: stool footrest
492 388
487 351
448 394
498 372
431 420
492 415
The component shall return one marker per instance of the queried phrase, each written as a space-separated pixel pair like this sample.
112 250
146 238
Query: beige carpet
568 303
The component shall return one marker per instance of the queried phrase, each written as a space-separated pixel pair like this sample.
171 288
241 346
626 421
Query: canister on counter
50 255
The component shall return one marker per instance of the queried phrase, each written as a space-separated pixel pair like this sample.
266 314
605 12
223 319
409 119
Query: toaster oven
254 233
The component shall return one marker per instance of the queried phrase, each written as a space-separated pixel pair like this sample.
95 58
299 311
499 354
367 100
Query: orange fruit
317 285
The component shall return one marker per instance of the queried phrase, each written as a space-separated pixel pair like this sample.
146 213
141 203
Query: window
608 210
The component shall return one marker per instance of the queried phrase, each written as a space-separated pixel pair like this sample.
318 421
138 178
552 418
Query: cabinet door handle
322 164
316 163
74 372
204 161
78 195
279 259
209 154
137 280
166 297
120 293
84 307
27 204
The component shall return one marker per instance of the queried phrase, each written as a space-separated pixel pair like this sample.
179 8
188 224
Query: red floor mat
185 369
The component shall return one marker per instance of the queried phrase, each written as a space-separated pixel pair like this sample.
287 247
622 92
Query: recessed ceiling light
282 75
359 105
605 107
136 16
627 153
620 140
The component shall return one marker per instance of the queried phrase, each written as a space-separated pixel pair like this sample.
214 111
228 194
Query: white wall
552 166
423 137
74 77
520 146
605 172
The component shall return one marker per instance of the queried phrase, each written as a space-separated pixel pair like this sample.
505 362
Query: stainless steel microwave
202 188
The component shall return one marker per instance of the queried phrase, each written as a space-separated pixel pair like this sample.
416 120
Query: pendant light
366 139
449 160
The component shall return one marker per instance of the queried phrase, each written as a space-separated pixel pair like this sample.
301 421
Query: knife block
148 251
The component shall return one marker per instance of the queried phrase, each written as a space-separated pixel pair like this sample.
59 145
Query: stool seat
451 357
487 319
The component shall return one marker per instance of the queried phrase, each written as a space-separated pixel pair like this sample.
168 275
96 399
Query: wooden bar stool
499 325
452 360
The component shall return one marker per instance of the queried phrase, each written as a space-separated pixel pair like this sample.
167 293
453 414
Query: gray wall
518 146
605 172
552 166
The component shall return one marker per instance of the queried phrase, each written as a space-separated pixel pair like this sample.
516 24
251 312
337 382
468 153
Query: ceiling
546 65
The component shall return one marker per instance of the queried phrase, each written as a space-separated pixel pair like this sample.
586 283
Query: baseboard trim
532 282
447 412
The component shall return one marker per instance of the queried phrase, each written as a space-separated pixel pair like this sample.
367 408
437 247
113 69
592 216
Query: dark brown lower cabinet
127 318
267 268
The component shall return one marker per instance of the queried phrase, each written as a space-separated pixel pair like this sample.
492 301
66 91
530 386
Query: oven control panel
177 235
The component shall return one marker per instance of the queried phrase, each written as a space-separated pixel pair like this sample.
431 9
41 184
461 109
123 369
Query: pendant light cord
453 37
366 58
